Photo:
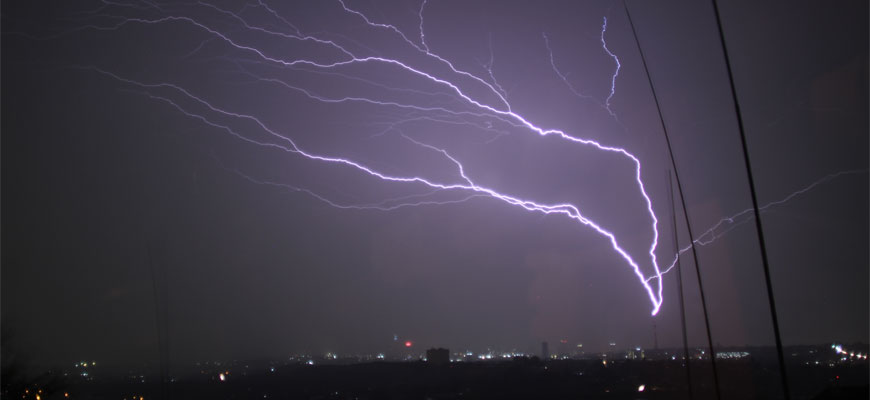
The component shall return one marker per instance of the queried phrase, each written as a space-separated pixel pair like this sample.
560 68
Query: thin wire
680 285
683 203
758 228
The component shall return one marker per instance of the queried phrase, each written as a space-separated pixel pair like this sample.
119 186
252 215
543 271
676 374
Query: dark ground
520 378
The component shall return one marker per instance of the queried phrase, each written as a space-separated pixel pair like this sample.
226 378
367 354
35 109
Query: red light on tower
408 344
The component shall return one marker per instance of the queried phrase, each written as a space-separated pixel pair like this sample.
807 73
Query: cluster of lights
37 394
732 354
464 356
851 354
85 364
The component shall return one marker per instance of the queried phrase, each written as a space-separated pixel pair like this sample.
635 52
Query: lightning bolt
615 72
564 77
730 223
456 82
415 200
422 32
488 67
559 73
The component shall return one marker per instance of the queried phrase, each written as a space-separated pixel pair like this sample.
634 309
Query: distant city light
222 377
408 343
641 388
732 354
851 354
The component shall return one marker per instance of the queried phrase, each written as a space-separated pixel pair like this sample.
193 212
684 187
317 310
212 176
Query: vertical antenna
758 229
682 202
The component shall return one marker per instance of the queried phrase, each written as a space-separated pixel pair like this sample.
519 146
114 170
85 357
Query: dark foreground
511 379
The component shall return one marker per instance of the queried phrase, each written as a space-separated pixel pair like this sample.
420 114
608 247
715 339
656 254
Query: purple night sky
322 176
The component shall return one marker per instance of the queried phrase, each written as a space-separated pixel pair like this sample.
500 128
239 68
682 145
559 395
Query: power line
758 228
680 285
682 201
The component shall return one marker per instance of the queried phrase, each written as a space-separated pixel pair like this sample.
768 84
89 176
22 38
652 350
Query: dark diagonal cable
680 285
682 202
758 228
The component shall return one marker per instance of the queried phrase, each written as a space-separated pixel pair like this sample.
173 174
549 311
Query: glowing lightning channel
426 51
488 67
559 73
711 234
569 210
570 86
544 132
487 127
422 32
385 205
279 17
615 72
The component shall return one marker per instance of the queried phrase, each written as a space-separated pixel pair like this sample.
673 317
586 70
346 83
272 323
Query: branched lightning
456 82
393 204
727 224
422 32
615 72
559 73
488 66
564 76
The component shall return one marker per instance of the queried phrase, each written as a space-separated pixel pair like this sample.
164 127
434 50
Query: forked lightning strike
457 82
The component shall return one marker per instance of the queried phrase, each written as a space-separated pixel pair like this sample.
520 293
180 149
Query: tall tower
545 351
